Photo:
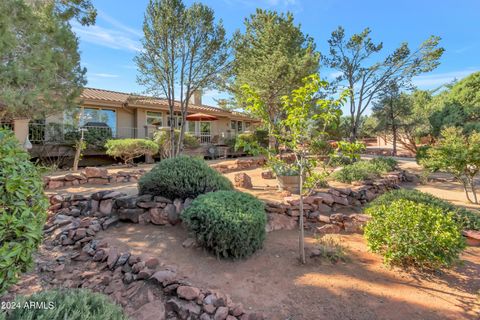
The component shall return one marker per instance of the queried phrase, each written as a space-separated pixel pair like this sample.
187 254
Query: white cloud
435 80
335 74
104 75
115 36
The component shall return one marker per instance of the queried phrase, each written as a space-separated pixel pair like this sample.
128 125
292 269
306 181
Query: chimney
196 97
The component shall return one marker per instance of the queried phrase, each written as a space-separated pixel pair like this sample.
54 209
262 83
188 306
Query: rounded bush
407 233
72 304
23 210
182 177
467 219
229 223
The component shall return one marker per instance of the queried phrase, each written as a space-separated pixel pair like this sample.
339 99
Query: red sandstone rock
188 293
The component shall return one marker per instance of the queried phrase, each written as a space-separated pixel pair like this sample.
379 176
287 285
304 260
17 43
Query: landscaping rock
243 180
130 214
94 172
112 257
188 293
154 310
158 216
164 277
152 263
329 229
472 237
106 206
268 174
221 313
280 222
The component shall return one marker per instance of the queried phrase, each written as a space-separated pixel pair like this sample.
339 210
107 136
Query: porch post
20 129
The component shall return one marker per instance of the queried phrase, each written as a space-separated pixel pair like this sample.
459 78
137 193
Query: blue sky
108 48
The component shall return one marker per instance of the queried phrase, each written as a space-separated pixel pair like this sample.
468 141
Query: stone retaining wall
239 164
92 175
75 220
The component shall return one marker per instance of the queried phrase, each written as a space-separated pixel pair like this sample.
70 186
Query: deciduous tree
354 58
184 50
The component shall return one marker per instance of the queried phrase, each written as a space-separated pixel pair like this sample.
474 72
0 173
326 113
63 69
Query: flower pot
289 183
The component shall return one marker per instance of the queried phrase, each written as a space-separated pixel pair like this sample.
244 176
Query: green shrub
421 153
467 219
363 170
23 210
320 147
162 138
229 223
351 150
407 233
72 304
384 164
182 177
129 149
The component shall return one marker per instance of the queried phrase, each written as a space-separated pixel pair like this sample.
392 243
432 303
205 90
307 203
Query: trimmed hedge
182 177
407 233
129 149
228 223
72 304
363 170
466 218
23 210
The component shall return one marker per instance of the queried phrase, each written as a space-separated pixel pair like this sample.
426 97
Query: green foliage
129 149
458 155
366 76
229 223
458 106
23 210
272 57
467 219
407 233
71 304
182 177
351 150
41 72
94 137
421 153
162 138
183 47
329 246
363 170
320 147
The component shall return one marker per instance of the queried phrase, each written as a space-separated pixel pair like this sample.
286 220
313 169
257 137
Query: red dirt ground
274 282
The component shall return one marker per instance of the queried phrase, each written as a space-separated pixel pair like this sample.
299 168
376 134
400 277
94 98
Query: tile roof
121 97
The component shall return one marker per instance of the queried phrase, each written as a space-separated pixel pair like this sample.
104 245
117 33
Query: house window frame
159 116
81 121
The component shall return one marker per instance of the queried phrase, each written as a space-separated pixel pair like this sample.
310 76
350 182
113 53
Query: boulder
158 216
164 277
267 174
154 310
130 214
188 293
105 206
327 198
280 222
221 313
94 172
329 229
243 180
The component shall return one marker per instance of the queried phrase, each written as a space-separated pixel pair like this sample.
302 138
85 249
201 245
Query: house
124 115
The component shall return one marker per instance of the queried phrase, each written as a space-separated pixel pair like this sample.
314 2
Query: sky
108 47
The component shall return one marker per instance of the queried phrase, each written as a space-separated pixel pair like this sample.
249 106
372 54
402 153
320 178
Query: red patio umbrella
201 117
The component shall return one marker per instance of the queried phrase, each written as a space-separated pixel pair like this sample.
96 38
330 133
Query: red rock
164 277
152 263
329 228
473 237
145 273
154 310
137 267
158 216
52 184
242 180
209 308
187 292
221 313
112 257
237 310
267 175
94 172
106 206
56 199
280 222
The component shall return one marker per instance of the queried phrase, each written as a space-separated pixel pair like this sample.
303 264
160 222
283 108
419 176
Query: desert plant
71 304
23 209
162 138
351 150
182 177
407 233
329 246
229 223
459 155
129 149
320 147
363 170
421 153
466 218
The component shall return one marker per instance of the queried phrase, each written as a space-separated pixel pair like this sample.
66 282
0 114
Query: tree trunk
465 187
394 132
172 136
474 190
354 129
302 232
76 159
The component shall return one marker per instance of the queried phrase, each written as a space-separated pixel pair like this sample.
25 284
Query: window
240 126
177 118
154 119
191 126
81 116
247 126
233 125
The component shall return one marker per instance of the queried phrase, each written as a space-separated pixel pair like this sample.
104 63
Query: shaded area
274 282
